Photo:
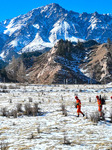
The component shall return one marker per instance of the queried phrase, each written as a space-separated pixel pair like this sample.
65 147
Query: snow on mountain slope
43 26
32 46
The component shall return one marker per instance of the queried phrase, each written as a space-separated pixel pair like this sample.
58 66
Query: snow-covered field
52 130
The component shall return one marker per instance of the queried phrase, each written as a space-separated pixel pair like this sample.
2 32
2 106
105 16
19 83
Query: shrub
4 111
38 129
94 117
4 146
28 109
4 91
86 116
10 100
64 111
33 111
31 136
19 107
30 99
3 87
89 99
36 107
12 87
14 113
66 141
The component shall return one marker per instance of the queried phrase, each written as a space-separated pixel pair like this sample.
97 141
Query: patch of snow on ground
53 126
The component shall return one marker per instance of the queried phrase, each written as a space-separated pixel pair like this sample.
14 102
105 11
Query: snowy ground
48 131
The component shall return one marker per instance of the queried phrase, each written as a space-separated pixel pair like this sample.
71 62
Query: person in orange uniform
99 105
78 105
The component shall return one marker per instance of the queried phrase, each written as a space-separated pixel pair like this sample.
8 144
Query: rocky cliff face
98 63
85 62
42 27
59 65
79 64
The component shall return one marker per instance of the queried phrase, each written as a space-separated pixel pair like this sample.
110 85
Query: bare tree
21 74
12 69
14 66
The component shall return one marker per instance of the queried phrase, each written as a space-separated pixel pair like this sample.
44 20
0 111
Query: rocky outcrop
98 64
59 65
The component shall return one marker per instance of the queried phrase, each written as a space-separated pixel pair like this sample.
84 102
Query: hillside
68 63
98 63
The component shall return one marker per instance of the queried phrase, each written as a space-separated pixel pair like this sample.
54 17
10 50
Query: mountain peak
95 13
54 5
42 27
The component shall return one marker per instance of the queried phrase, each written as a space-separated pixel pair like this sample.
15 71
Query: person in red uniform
111 97
99 105
78 105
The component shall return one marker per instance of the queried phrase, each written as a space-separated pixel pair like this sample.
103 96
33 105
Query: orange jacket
99 102
99 105
78 102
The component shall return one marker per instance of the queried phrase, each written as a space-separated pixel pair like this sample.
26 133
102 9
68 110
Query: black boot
77 115
83 115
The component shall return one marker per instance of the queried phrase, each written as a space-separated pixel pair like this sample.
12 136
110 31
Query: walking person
99 105
78 106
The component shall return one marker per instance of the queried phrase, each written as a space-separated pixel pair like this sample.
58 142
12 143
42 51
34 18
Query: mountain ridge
42 27
65 63
59 65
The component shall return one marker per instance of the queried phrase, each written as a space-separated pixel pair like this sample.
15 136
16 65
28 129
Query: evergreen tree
109 42
64 49
80 45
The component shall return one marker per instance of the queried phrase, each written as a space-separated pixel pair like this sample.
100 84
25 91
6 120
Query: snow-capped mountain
43 26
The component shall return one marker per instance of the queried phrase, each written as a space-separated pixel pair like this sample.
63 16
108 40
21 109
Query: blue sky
13 8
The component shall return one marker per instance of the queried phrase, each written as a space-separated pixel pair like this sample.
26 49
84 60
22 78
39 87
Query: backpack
102 100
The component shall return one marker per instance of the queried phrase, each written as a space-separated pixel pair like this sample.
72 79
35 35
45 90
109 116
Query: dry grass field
32 117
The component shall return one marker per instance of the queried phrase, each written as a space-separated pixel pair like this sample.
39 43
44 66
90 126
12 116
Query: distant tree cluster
29 58
80 45
16 70
109 42
65 48
109 46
